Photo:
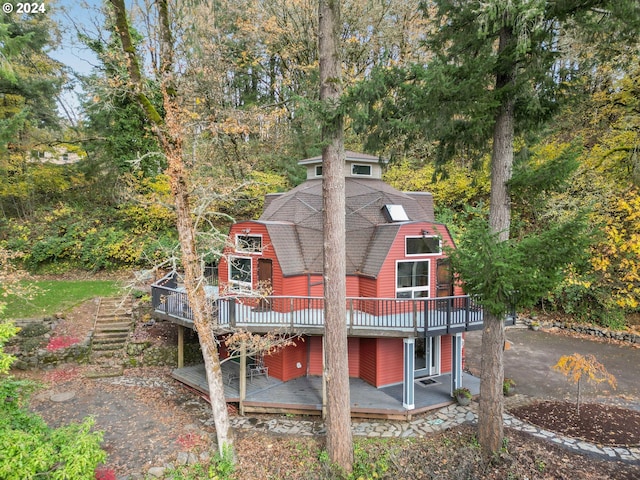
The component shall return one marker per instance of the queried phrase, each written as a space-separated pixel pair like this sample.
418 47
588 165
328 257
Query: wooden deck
305 315
304 394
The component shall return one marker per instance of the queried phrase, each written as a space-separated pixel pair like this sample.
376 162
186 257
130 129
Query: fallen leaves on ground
597 423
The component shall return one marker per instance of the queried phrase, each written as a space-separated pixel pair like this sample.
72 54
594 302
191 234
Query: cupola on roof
356 165
294 221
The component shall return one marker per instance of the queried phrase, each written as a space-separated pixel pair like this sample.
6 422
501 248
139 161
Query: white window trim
407 254
353 165
413 289
237 284
315 171
249 252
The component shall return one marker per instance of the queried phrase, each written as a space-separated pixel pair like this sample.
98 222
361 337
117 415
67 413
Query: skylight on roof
395 213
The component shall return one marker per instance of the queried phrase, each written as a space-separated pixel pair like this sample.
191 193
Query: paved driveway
532 354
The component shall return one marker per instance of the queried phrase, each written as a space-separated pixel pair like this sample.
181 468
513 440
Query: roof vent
395 213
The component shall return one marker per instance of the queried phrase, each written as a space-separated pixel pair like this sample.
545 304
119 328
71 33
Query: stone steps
113 326
113 323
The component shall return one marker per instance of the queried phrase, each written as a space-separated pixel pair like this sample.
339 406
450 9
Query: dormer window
249 243
422 245
318 170
361 170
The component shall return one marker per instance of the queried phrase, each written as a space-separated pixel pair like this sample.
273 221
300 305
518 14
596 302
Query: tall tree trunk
339 440
490 422
168 130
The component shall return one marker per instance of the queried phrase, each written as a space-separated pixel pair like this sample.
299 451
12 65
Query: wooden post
243 377
180 346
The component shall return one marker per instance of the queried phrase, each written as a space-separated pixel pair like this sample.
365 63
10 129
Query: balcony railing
365 316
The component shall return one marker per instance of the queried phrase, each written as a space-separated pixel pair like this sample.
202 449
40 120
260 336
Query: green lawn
59 295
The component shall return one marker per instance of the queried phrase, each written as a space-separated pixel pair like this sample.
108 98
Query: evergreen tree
30 82
494 73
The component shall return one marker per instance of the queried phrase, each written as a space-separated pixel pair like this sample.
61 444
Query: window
318 170
422 245
361 170
412 279
249 243
240 274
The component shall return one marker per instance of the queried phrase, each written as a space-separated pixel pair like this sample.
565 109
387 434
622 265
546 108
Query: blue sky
73 14
82 13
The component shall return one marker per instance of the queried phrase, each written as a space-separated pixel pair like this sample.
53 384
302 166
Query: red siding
390 353
353 286
315 355
283 364
384 286
298 286
381 360
294 363
354 356
368 287
445 354
368 360
387 276
275 363
267 252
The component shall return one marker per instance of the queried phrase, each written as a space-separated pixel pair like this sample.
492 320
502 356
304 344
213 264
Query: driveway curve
531 356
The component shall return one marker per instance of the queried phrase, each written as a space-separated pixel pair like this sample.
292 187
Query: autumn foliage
577 367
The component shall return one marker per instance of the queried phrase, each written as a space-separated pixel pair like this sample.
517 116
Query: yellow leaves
459 185
576 367
617 258
630 206
232 126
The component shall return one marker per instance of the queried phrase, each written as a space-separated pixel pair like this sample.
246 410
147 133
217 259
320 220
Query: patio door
427 361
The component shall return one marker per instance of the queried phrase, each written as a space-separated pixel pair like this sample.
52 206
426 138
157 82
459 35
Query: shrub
29 448
33 330
462 392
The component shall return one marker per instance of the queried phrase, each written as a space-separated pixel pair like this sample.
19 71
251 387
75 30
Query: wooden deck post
180 346
243 377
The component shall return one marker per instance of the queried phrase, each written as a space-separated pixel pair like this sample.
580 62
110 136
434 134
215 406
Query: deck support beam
180 346
243 378
408 386
456 362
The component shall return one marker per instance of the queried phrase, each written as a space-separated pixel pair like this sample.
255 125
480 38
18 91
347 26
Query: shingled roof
294 223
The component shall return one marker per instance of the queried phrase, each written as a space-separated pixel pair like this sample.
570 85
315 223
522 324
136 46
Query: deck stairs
113 324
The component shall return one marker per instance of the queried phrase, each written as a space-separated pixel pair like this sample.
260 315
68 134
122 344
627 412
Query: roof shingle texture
294 223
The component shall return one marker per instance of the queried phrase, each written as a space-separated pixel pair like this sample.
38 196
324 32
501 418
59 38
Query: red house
405 314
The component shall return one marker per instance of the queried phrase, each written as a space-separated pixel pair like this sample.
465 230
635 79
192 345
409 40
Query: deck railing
424 316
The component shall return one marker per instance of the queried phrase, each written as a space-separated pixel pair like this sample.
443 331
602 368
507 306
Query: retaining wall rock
29 346
592 330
